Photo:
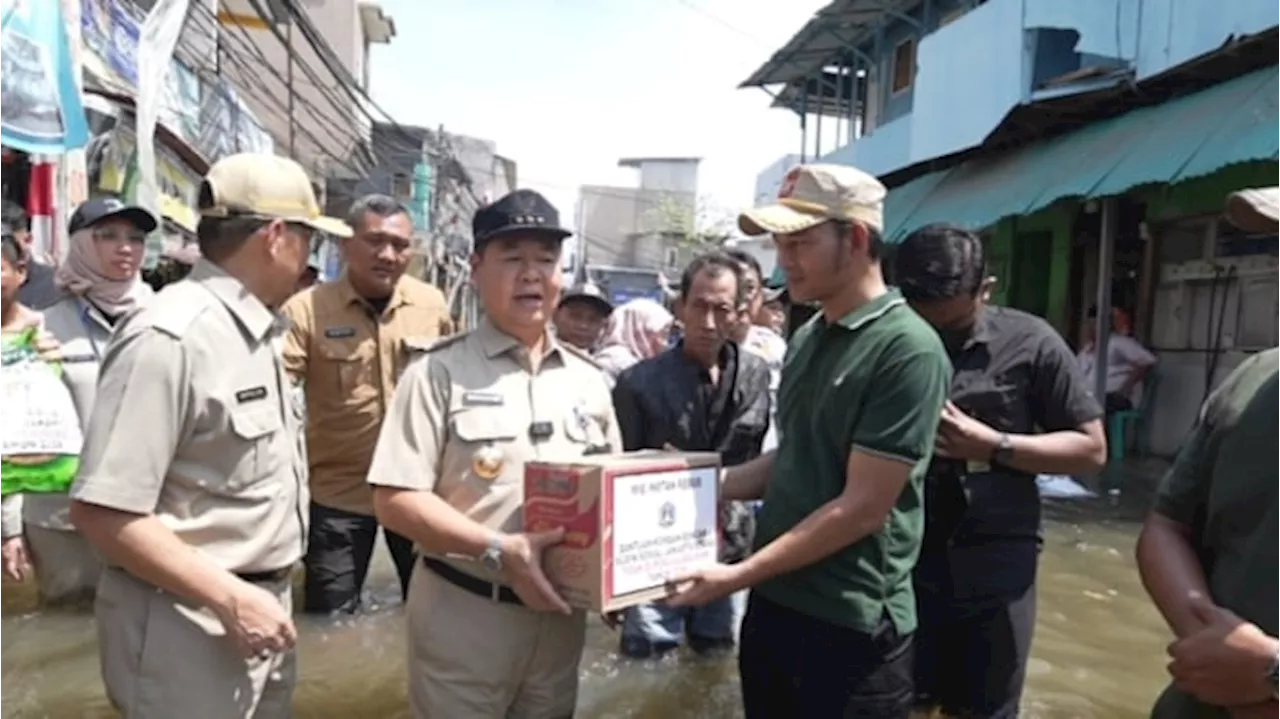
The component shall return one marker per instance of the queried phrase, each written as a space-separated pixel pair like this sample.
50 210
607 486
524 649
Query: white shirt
766 343
1125 355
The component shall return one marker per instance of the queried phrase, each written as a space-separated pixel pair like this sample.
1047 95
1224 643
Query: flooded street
1099 647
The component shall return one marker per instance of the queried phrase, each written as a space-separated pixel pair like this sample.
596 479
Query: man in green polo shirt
1207 552
828 627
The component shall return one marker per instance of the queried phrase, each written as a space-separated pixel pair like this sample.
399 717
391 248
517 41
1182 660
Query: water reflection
1098 651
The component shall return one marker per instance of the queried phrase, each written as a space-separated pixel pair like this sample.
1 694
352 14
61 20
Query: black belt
275 575
478 587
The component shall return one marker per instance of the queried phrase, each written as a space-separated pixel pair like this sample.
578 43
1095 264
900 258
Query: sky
567 87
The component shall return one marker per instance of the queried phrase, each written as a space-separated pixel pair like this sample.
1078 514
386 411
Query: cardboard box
632 521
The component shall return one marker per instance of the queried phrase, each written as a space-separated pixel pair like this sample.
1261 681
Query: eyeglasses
115 235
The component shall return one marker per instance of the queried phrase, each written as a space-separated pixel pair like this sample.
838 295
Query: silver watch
491 557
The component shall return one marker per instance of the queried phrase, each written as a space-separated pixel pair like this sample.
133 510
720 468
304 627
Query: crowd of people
879 520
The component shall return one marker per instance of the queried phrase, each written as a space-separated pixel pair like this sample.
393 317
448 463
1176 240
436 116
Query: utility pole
288 81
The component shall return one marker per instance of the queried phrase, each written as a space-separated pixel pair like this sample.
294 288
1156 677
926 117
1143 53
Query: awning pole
1106 250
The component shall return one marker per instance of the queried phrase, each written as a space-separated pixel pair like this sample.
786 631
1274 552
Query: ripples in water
1098 650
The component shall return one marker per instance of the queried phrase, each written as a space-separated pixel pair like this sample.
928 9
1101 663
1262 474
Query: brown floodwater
1098 653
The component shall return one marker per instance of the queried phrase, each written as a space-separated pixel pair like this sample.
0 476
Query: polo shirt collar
871 311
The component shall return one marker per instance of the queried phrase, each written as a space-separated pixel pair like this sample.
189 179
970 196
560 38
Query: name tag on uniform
337 333
482 399
976 466
251 394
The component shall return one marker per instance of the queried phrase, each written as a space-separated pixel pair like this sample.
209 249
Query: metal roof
1185 138
829 31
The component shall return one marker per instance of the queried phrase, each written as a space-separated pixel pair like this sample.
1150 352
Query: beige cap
265 186
1255 210
813 194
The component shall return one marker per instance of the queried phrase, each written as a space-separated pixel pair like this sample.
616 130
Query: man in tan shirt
488 636
192 481
350 339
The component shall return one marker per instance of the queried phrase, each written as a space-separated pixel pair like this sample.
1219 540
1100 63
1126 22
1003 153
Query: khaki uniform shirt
196 423
463 424
348 361
82 331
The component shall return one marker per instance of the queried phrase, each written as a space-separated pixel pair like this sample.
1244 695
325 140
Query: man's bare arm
1171 572
747 481
428 520
145 548
1074 451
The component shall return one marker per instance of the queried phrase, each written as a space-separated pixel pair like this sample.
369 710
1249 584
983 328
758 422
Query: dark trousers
339 546
793 665
971 655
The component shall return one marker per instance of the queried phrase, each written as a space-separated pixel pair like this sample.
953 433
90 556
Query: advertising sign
40 109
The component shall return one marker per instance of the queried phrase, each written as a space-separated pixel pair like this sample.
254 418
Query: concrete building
640 226
327 126
1091 142
769 181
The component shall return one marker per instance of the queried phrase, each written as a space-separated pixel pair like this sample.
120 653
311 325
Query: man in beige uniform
193 476
488 636
348 342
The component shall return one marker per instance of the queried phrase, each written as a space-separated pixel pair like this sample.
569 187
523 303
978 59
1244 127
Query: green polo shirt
1223 486
875 382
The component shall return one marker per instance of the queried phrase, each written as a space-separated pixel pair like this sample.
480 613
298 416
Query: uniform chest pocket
583 428
350 366
487 439
259 432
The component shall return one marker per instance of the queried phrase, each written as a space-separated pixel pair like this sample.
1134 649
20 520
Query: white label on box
664 525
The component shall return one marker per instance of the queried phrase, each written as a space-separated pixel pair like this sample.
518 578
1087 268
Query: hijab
634 333
81 275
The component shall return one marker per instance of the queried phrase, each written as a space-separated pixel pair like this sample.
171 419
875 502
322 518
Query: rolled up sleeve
137 422
408 454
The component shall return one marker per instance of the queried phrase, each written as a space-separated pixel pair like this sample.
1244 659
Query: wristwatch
491 557
1273 677
1004 451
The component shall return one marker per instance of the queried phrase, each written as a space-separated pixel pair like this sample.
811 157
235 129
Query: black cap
97 209
588 292
519 211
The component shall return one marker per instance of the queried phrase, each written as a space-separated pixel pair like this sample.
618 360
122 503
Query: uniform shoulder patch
580 354
174 309
446 341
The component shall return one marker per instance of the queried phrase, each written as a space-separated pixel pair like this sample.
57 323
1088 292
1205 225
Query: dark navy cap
97 209
591 294
519 211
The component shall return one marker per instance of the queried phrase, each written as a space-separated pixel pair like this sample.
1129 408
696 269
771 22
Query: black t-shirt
1017 375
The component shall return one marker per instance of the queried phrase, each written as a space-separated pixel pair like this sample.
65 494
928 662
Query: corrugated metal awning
1184 138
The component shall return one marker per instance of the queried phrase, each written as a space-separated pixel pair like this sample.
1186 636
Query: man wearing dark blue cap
488 635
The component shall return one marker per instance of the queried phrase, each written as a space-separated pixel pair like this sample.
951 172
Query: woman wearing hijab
100 283
636 331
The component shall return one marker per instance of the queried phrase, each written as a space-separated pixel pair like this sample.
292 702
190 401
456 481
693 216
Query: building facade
641 226
1091 142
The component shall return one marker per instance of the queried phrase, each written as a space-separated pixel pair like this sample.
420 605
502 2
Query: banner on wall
40 108
178 187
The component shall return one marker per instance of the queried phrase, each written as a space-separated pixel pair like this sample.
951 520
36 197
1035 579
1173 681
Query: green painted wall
1031 256
1205 195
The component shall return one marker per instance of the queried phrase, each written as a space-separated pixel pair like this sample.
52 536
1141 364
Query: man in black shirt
705 394
1019 407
